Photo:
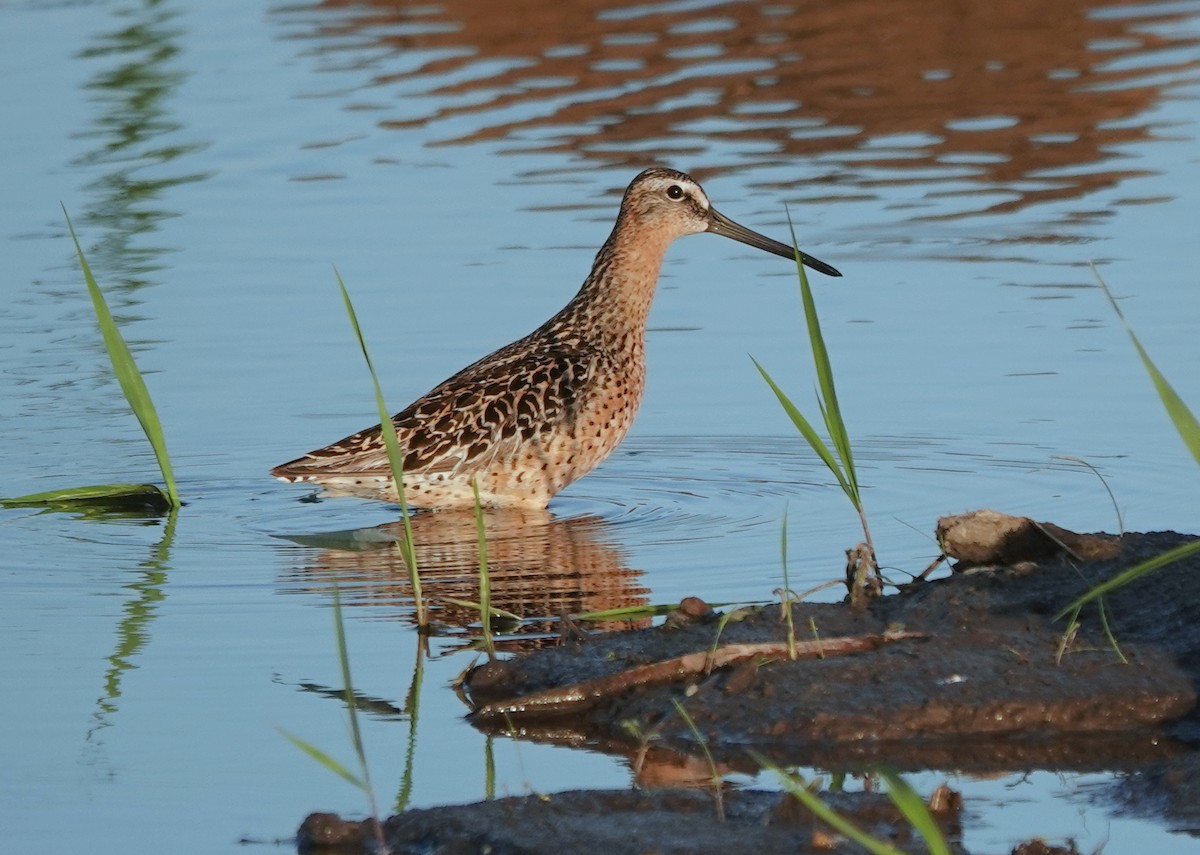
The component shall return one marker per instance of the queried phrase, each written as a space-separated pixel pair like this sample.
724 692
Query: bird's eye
675 192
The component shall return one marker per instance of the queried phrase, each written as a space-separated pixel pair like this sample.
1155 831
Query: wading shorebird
537 414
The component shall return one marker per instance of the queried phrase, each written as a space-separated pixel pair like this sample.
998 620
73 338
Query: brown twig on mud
933 565
577 697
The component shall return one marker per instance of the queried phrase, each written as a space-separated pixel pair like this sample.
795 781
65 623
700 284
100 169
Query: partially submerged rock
987 537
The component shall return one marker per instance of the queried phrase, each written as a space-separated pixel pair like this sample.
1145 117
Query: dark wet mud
614 823
972 672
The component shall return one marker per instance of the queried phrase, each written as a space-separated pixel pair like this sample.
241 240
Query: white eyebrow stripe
693 190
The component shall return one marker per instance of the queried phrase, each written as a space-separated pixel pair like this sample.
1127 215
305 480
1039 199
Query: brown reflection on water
996 92
540 567
671 758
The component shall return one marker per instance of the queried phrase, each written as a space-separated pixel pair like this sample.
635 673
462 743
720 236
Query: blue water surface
219 160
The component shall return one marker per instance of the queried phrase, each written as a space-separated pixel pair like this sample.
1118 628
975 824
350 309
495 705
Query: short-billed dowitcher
529 419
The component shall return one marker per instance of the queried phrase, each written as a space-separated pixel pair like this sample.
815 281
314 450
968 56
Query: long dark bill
719 224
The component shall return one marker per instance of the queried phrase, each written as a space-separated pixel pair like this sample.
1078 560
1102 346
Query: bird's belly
532 473
529 478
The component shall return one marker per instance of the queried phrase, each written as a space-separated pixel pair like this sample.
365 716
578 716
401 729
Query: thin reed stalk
412 709
485 580
906 800
362 780
786 596
1188 428
718 783
396 459
838 459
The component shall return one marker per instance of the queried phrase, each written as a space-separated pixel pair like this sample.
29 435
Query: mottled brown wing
484 413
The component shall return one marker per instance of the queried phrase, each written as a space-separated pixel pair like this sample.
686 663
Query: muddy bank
986 678
971 672
628 821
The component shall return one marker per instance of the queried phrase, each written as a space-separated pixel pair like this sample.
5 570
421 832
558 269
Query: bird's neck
616 297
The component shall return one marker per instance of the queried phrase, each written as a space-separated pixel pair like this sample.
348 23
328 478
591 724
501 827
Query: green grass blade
841 445
724 621
412 706
387 428
363 781
127 373
713 770
1108 634
649 610
489 769
1189 431
1126 576
806 430
1182 417
477 606
114 496
825 813
343 651
395 458
916 812
824 367
1103 482
485 580
787 587
324 759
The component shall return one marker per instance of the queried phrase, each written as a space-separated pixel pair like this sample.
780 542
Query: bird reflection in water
541 567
